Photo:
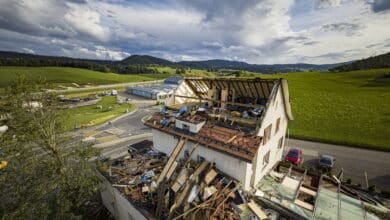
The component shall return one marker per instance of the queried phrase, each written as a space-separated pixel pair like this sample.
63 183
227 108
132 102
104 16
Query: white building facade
271 127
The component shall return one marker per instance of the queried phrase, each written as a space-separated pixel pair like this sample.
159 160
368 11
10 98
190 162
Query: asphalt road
354 161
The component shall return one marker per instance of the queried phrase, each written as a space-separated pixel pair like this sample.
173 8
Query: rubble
239 141
192 189
198 190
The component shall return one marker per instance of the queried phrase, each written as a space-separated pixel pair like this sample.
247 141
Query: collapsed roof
251 92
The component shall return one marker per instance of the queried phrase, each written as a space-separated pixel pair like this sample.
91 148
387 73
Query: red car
294 156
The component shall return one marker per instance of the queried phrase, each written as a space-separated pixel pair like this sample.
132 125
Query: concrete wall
275 110
118 205
234 167
194 128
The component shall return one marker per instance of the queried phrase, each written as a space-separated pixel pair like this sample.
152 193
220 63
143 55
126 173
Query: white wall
194 128
118 205
275 110
184 90
232 166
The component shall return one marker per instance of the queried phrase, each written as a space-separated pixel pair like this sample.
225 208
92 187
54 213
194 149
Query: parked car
294 156
114 92
75 100
326 161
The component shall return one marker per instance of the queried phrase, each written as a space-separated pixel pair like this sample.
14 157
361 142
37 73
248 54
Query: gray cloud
256 31
380 5
348 28
329 3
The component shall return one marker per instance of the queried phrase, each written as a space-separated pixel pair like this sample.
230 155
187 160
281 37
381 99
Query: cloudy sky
255 31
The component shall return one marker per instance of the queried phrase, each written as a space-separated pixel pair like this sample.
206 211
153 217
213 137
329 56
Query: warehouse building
158 92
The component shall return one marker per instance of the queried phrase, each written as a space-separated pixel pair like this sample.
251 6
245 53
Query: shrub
371 188
386 193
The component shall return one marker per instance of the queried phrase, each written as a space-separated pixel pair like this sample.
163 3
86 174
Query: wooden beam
193 88
218 101
262 90
256 88
172 159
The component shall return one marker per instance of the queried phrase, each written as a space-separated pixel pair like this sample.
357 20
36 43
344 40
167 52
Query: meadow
351 108
86 116
67 75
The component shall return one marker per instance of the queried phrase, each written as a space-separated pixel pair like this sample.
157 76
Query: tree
48 174
180 71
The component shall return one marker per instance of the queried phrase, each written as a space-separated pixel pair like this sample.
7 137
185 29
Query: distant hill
145 60
260 68
375 62
139 63
21 56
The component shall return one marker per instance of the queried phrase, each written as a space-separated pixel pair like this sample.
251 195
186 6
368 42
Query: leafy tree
180 71
48 174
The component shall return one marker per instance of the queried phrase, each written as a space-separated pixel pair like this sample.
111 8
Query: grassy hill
67 75
375 62
347 108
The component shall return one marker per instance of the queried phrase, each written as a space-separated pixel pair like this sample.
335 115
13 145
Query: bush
371 188
386 193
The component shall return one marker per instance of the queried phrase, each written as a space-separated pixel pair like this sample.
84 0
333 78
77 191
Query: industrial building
158 92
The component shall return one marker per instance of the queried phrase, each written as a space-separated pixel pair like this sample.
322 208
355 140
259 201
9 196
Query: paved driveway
354 161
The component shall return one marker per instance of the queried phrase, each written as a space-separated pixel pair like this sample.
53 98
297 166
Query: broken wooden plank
172 159
307 191
257 210
210 176
304 204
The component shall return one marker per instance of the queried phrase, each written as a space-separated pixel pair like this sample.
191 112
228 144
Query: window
201 159
130 216
186 154
186 127
266 159
277 125
267 133
280 144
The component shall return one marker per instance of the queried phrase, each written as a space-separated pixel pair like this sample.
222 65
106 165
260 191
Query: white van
114 92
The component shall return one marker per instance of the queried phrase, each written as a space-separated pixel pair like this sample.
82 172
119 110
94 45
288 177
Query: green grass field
67 75
350 108
189 73
90 115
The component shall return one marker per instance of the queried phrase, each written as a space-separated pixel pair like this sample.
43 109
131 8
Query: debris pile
170 189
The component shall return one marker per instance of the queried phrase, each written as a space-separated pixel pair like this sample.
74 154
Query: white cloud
258 31
27 50
86 21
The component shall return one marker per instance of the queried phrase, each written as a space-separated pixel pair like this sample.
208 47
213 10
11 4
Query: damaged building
216 152
239 124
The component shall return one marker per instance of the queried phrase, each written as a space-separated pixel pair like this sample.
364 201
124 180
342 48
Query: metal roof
155 88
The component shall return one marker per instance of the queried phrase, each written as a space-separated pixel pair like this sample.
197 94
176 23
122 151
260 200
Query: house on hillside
238 124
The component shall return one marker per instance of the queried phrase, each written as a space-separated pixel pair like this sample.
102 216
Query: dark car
294 156
326 161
